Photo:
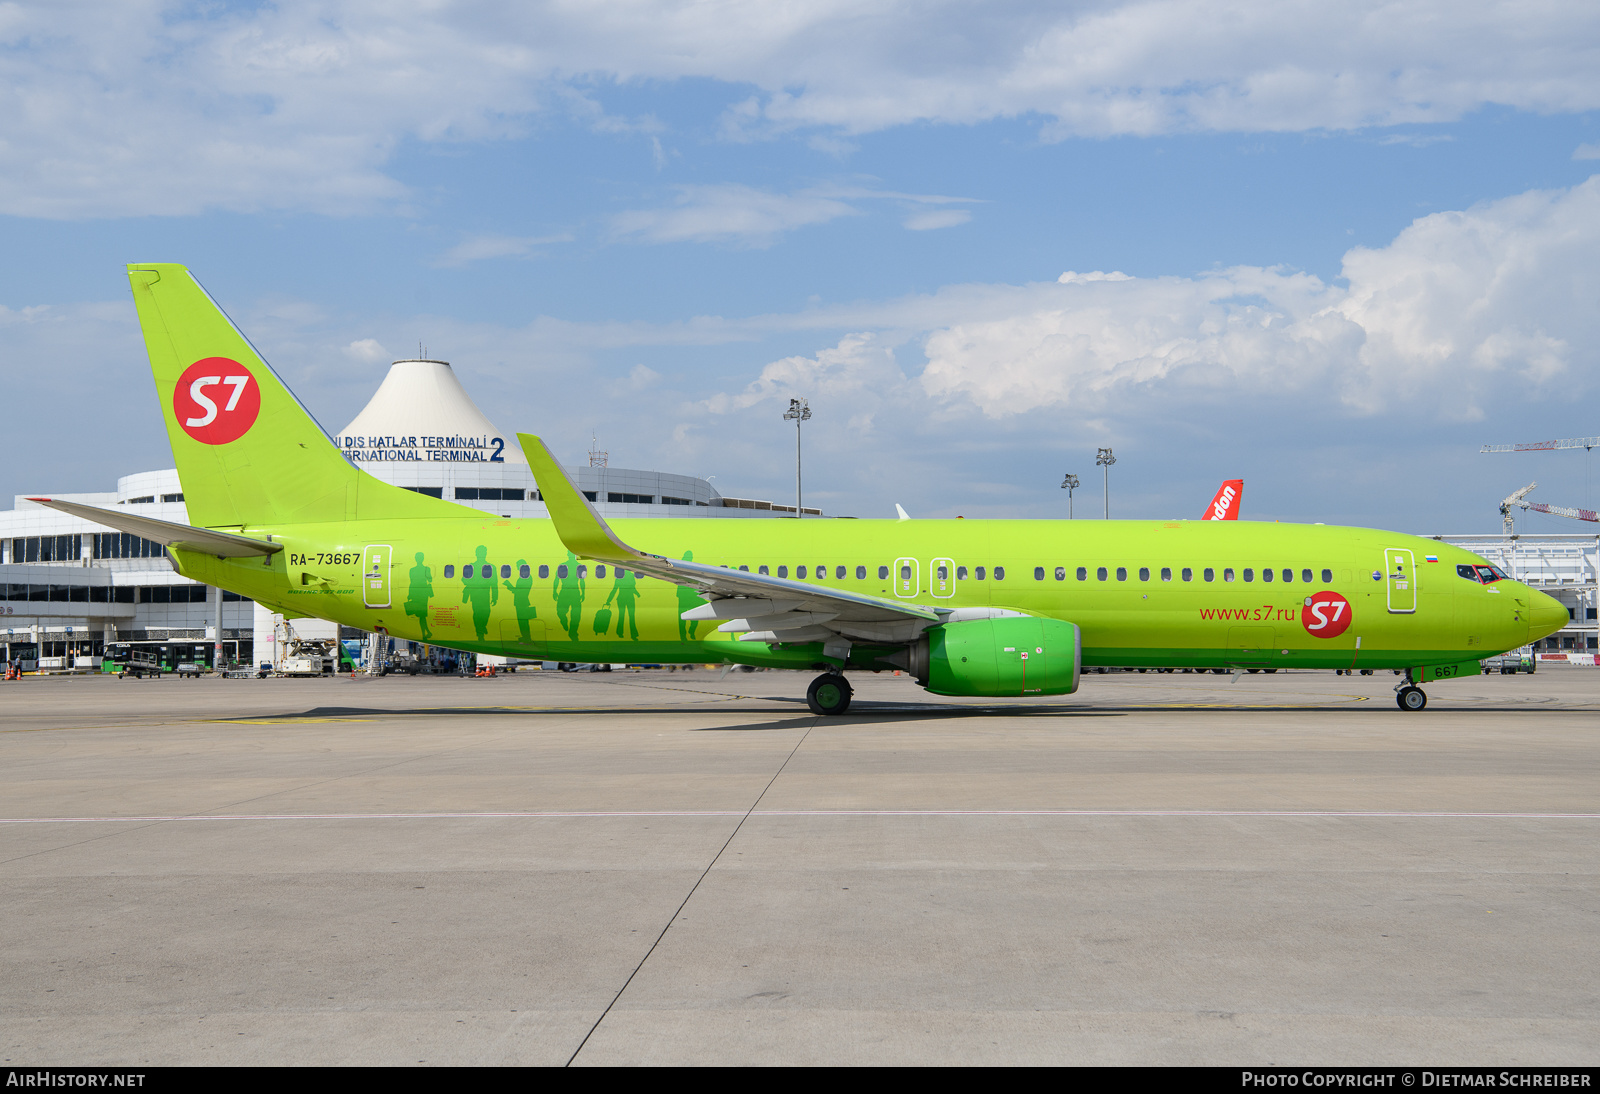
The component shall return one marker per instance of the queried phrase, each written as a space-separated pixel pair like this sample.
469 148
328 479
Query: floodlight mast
799 411
1104 459
1069 484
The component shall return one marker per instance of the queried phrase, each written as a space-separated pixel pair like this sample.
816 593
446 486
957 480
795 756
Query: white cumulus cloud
141 107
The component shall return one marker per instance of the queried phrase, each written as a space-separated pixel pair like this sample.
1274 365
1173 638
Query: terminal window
431 491
631 499
490 493
171 497
675 501
46 548
123 545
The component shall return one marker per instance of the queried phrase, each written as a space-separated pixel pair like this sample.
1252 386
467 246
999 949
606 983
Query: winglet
580 527
903 514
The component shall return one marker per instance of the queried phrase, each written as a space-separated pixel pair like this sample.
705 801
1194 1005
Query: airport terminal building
71 587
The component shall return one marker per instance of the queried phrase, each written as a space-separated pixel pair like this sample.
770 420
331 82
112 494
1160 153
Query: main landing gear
829 694
1410 697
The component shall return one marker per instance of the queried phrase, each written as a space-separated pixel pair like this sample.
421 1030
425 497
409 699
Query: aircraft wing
166 532
767 609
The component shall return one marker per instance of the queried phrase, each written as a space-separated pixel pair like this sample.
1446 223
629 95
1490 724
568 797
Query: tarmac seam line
690 895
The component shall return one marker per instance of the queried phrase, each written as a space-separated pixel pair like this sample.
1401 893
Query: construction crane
1512 502
1519 500
1545 446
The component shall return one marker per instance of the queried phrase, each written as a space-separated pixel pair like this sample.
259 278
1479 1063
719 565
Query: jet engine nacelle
1015 655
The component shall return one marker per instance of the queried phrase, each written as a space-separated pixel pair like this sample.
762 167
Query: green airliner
967 607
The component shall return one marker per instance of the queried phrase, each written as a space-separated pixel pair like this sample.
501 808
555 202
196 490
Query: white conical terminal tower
423 398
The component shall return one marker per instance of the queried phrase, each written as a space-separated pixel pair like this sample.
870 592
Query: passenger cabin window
1122 573
1038 573
1327 576
999 573
1144 573
1061 573
822 572
1209 574
544 571
1266 575
505 571
942 572
1249 574
1083 573
978 573
961 573
583 571
761 569
883 572
561 571
861 573
1288 575
524 571
1188 574
449 571
600 571
800 571
839 572
1101 573
783 571
1166 573
1305 575
1227 573
905 573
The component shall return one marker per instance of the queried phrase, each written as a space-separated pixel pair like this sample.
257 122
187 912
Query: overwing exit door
907 580
375 575
942 577
1402 579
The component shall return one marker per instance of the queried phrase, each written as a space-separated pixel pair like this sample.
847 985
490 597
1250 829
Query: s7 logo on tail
1225 506
216 400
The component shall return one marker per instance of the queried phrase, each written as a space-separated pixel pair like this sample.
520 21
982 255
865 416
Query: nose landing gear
829 694
1410 697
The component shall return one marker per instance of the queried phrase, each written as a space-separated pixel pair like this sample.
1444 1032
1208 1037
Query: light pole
798 412
1104 459
1069 484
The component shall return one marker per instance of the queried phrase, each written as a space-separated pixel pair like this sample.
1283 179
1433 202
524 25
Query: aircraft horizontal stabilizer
166 532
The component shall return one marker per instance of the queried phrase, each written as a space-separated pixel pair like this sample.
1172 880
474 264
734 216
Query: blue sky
1329 252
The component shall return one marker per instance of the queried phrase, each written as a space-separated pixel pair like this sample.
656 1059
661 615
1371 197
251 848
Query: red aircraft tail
1225 506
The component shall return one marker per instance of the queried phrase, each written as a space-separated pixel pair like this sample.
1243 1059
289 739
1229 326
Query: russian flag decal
1431 558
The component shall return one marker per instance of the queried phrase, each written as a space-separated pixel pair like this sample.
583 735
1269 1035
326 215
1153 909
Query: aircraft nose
1546 615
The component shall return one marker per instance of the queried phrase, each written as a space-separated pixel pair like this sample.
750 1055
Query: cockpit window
1468 572
1489 574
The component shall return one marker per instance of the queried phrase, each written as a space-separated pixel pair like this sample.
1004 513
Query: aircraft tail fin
1225 506
248 453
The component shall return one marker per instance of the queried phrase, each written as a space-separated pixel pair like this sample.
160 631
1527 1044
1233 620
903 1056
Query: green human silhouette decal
520 591
568 589
625 591
686 599
478 586
418 593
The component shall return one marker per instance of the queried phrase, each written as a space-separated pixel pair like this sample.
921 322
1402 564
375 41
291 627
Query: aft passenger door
375 575
1402 580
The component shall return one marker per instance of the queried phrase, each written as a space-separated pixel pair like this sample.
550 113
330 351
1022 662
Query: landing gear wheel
1410 697
829 694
